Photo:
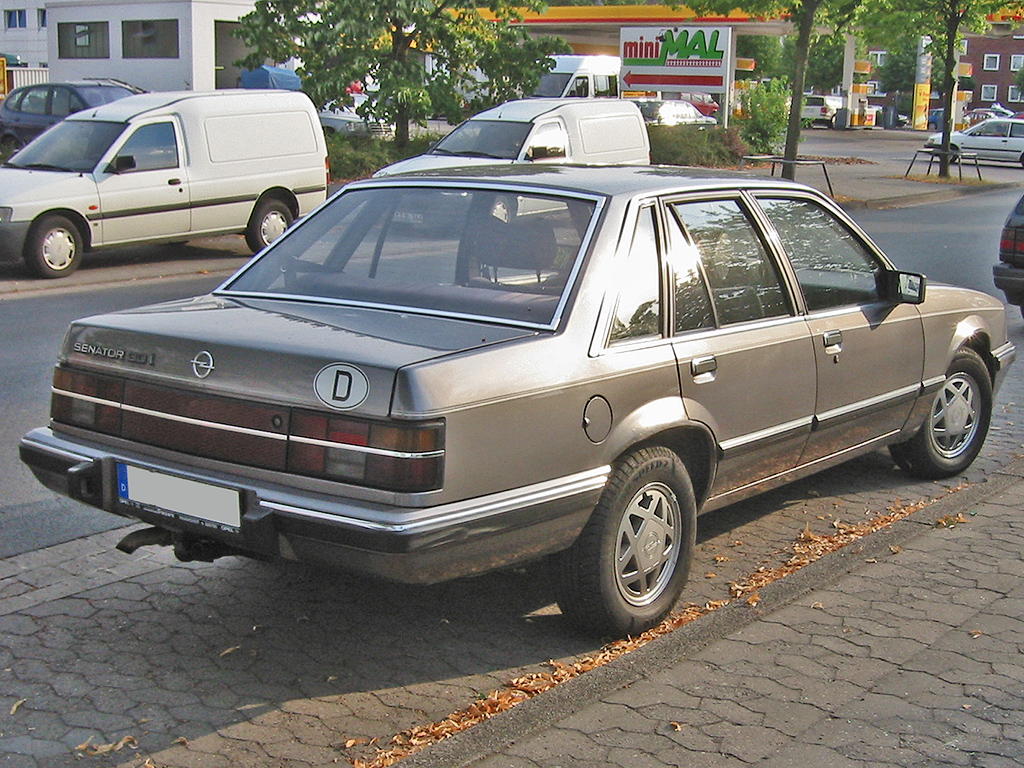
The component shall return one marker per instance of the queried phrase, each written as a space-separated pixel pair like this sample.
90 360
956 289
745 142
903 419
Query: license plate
179 496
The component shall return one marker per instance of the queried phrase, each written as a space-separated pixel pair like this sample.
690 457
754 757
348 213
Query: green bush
358 156
690 145
765 108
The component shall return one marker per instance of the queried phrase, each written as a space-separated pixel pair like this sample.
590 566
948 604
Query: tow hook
143 538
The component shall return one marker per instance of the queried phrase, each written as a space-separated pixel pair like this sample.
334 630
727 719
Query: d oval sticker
341 386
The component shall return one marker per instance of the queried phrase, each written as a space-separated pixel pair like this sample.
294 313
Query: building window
1016 62
16 19
991 62
41 16
84 40
1014 94
989 92
151 39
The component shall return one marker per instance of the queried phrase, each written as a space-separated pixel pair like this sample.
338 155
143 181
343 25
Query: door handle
833 341
173 182
704 368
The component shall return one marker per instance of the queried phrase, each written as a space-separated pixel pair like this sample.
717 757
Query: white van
577 131
162 167
581 77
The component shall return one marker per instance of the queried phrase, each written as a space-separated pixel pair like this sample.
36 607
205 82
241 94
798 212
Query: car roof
125 109
527 110
605 181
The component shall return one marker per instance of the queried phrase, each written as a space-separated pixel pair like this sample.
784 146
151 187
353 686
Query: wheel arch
80 222
695 446
973 333
282 194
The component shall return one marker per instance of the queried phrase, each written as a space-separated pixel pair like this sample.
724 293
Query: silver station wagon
440 374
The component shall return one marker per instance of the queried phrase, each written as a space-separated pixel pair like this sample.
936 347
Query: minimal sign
675 58
341 386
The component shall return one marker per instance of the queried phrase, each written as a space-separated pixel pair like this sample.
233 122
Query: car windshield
482 253
98 95
71 145
499 139
552 84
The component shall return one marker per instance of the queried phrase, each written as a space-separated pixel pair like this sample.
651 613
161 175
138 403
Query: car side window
992 128
1017 130
34 101
744 282
834 268
60 104
692 303
153 146
13 102
638 308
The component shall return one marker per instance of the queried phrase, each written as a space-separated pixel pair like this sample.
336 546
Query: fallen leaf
355 742
710 575
722 559
676 726
819 606
181 740
871 560
105 749
232 649
895 549
17 705
976 633
754 599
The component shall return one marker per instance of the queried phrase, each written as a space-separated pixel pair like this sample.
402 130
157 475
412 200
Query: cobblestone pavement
913 659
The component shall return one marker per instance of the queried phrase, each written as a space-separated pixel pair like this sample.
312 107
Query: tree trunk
804 17
949 80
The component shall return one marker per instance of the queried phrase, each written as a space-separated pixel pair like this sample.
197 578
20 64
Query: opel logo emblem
202 364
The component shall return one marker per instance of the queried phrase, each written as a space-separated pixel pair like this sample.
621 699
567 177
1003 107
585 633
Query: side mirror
538 152
121 164
903 287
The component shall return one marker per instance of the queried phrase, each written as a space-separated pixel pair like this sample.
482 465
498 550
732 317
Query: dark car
1009 272
31 109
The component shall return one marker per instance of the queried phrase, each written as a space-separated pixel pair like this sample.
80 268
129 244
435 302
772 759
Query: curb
938 196
533 715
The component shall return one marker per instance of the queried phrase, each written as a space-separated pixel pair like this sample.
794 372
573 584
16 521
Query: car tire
270 218
958 420
609 583
53 247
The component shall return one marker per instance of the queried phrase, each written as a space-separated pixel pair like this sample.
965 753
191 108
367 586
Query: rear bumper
413 545
1010 280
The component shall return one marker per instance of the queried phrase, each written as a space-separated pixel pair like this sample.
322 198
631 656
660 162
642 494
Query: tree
944 21
385 43
807 17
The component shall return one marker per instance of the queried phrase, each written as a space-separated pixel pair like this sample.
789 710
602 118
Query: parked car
1000 139
675 112
1009 272
585 131
162 167
936 115
345 120
442 373
31 109
587 76
704 102
821 110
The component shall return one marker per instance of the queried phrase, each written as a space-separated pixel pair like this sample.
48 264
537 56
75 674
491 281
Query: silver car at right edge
442 373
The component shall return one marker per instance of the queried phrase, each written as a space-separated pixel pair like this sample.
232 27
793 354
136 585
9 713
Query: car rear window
98 95
481 253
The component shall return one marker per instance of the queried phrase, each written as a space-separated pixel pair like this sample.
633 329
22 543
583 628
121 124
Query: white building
24 31
159 45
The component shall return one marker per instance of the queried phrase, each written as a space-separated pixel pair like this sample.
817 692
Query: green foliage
765 110
691 145
766 51
898 73
381 43
358 156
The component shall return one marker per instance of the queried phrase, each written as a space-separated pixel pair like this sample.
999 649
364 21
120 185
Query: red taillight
405 458
87 400
1010 243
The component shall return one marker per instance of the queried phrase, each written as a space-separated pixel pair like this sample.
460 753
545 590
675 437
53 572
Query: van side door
143 186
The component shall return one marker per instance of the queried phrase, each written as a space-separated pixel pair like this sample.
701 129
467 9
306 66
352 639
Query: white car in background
1000 139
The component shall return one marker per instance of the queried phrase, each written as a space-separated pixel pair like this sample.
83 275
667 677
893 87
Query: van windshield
498 139
72 145
552 85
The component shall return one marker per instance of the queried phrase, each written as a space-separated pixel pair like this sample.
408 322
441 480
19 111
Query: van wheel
957 424
54 247
270 219
629 565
